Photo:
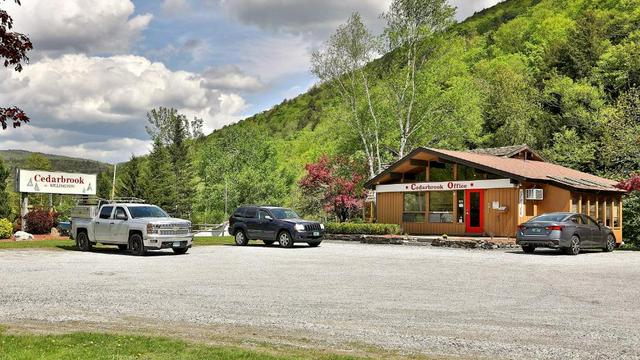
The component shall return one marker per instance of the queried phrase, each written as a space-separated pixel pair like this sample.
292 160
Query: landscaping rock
22 236
55 232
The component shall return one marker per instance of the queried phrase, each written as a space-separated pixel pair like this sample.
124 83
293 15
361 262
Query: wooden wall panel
389 208
497 222
555 199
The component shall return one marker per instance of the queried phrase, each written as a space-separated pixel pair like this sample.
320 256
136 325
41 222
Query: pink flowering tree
334 185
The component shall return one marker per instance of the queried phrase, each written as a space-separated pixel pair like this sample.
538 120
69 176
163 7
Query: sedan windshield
147 212
549 218
284 213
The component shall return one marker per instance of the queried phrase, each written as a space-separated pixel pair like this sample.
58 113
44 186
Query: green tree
5 200
131 179
159 188
619 67
571 151
36 161
174 131
104 184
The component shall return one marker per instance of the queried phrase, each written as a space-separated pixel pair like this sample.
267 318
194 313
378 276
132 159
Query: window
251 213
466 173
414 208
602 209
281 213
105 213
441 207
575 202
262 215
120 213
592 206
577 219
615 214
549 218
440 171
239 212
147 212
584 205
460 213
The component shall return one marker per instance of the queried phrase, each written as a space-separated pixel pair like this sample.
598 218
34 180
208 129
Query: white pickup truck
136 227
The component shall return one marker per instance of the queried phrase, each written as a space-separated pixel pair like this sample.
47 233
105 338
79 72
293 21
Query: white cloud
63 26
467 8
314 18
230 78
106 99
277 56
174 7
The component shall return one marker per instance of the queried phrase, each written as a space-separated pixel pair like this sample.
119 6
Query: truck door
101 224
119 226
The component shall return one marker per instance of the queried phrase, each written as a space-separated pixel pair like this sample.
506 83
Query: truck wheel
284 238
241 238
82 242
180 251
136 245
122 247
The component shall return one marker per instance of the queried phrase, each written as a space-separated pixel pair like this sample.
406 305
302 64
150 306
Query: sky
98 66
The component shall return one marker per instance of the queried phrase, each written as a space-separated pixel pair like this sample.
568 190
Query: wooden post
24 209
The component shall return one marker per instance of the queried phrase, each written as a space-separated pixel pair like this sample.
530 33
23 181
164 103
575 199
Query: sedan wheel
574 247
241 238
611 243
285 240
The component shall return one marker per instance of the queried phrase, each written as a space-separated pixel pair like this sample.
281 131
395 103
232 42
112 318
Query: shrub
40 221
363 229
6 229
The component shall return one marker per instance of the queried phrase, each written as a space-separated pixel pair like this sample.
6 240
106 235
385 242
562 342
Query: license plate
536 230
176 244
316 233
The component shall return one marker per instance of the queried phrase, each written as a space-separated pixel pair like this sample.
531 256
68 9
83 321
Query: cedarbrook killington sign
47 182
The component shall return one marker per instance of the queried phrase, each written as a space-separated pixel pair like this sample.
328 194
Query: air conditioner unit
535 194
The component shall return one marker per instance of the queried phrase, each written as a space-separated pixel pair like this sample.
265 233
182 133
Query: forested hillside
558 75
17 158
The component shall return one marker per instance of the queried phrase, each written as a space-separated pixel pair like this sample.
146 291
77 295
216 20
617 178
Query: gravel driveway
451 302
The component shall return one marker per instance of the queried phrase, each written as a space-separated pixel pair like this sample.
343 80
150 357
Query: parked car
136 227
569 232
271 224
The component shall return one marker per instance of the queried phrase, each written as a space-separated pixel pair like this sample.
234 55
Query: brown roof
518 169
508 151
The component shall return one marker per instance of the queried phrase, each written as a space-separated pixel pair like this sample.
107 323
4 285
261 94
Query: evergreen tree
172 130
159 189
131 179
103 188
5 203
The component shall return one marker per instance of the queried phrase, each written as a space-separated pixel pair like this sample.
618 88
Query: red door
474 211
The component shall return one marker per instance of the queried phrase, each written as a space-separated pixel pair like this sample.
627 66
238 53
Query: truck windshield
284 214
147 212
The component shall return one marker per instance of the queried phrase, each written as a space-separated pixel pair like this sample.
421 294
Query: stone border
467 243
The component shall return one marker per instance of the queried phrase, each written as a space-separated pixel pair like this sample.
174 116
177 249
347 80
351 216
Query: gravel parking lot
451 302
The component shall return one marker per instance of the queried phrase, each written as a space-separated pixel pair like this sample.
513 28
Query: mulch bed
40 238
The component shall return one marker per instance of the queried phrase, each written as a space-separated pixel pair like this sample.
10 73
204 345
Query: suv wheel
136 245
611 243
82 242
241 238
285 240
574 246
528 249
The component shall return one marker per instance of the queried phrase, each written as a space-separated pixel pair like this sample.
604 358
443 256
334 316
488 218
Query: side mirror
268 218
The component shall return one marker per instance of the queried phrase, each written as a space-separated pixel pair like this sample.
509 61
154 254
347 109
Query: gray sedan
569 232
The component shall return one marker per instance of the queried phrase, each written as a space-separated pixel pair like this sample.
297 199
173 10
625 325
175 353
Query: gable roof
518 169
510 151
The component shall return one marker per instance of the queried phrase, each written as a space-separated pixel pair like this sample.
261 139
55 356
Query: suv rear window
239 212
